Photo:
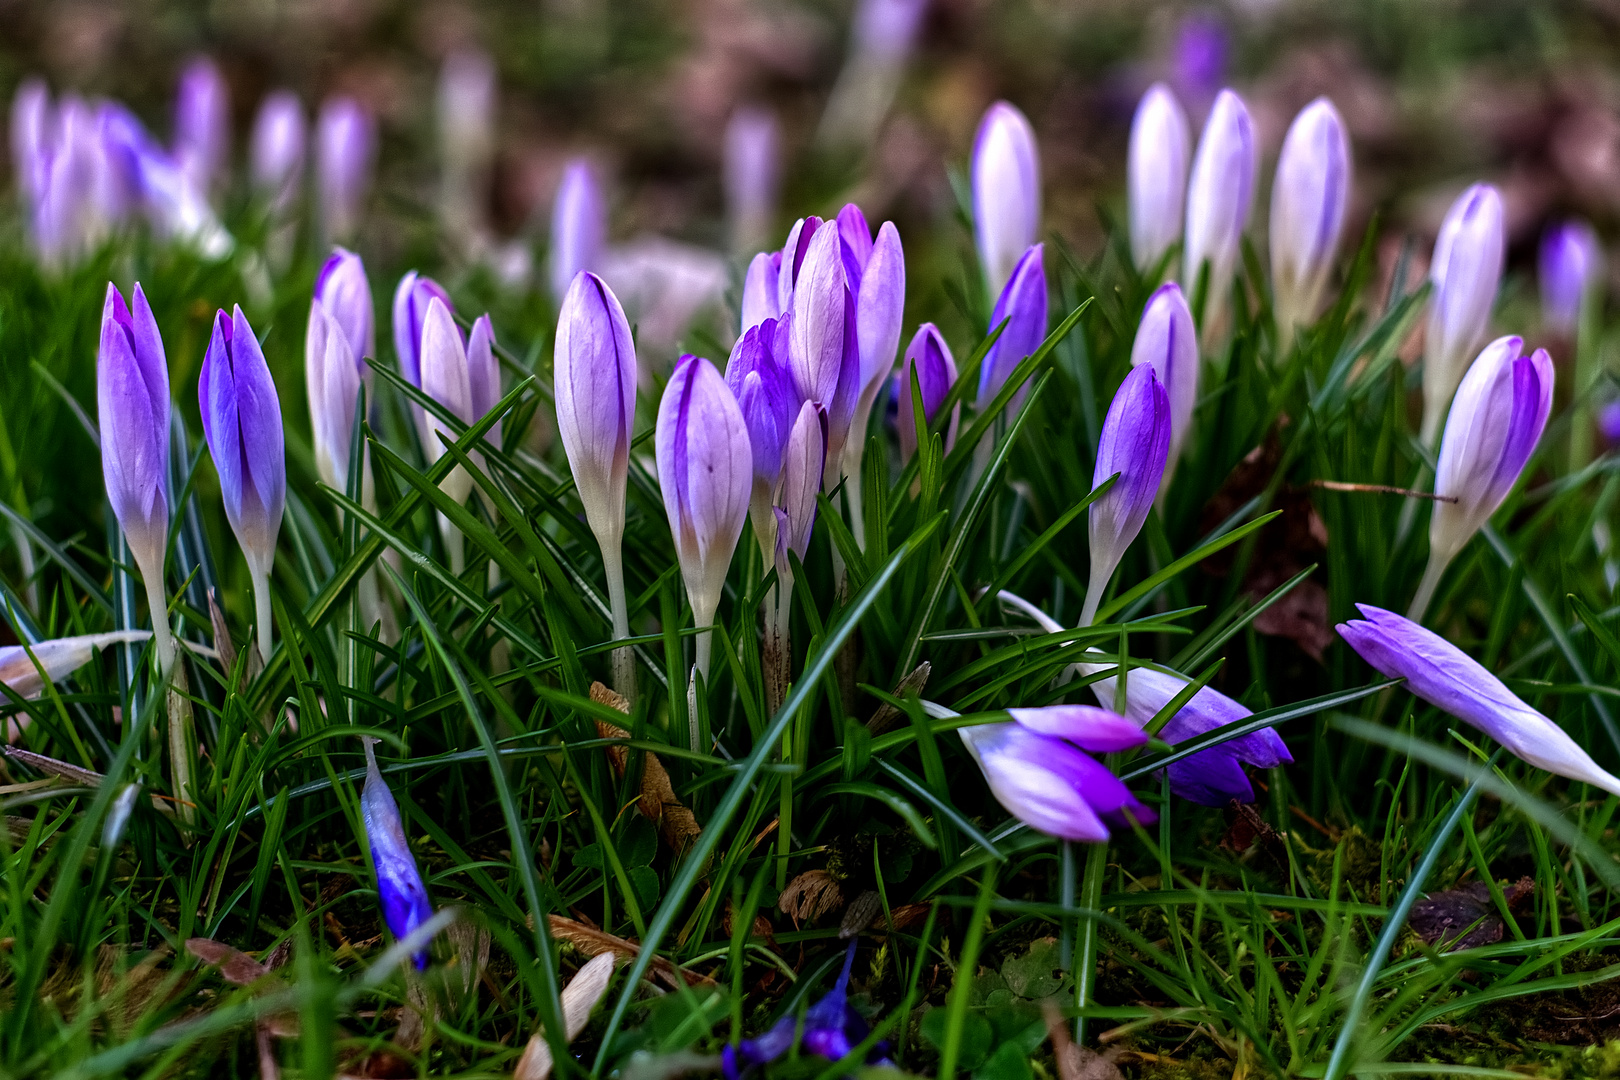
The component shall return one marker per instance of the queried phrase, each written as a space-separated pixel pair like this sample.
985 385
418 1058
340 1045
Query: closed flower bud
1465 270
345 293
1050 785
816 341
578 226
345 144
1220 194
176 205
446 379
1167 339
276 156
1156 181
1571 271
1089 727
930 358
758 375
400 889
411 299
1308 201
1135 443
466 113
332 384
1006 192
752 174
804 459
879 308
202 123
793 255
1022 305
760 300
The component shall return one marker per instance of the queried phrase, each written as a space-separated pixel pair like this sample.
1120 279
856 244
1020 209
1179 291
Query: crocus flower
411 299
132 400
30 125
1308 200
1571 268
1167 339
202 123
1219 196
1022 305
760 378
1198 58
832 1028
751 174
332 384
345 293
466 113
1465 270
1449 679
760 299
345 144
462 377
931 359
56 660
1006 193
242 421
276 156
705 470
177 207
823 341
595 387
400 889
1156 175
804 458
1135 443
794 253
578 226
876 273
1495 422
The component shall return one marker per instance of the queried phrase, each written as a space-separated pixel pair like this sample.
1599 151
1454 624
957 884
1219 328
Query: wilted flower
345 143
1167 339
760 378
1495 422
1006 193
1135 442
400 889
241 416
931 359
832 1028
56 660
1449 679
1465 270
1156 180
752 174
1219 197
277 151
202 124
1022 305
1571 268
1308 201
578 226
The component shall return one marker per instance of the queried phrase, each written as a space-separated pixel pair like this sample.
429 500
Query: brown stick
1381 489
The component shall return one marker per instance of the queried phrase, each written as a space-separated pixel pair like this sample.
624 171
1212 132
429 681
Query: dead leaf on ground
762 927
579 997
235 966
887 714
1077 1062
809 896
593 942
658 803
1466 917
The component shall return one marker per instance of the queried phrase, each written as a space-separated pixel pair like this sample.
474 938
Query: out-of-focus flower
760 378
760 300
1308 200
1496 420
832 1028
1006 193
132 400
1167 339
1135 442
1022 305
578 226
241 415
466 119
280 137
1449 679
1465 270
1156 181
400 889
1571 271
1198 58
202 124
882 35
1220 194
73 186
57 659
345 146
931 359
665 285
176 206
752 175
30 138
1608 422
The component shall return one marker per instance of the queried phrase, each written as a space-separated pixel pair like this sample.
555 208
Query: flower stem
1085 968
624 658
162 636
1438 561
1095 587
261 606
778 644
455 545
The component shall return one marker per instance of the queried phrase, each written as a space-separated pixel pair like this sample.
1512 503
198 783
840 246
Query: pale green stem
1094 592
1438 561
261 605
1085 968
162 636
455 545
624 657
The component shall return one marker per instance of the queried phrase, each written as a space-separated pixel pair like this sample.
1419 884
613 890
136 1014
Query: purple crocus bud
202 123
760 300
804 459
345 293
856 236
1087 726
241 416
794 253
411 299
1135 444
332 384
345 144
751 174
1167 339
578 226
447 380
1023 306
879 308
1496 421
1465 270
1050 785
832 1028
1449 679
276 157
1308 200
705 470
931 359
1219 196
132 401
484 373
1608 422
400 889
1156 175
1006 193
816 341
759 375
1571 270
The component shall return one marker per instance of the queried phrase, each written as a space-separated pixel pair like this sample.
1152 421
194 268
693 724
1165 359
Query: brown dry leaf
1247 828
762 927
593 942
887 714
235 967
222 635
658 803
1466 917
579 997
908 915
809 896
1077 1062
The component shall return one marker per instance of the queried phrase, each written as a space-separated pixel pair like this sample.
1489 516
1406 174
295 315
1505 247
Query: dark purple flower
1571 267
930 358
400 889
1023 306
1135 444
832 1028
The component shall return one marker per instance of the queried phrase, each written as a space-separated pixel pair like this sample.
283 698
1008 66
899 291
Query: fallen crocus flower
832 1028
26 675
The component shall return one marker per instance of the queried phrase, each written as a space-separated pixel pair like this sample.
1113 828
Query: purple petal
400 888
595 388
880 305
1023 305
1135 444
1039 780
1087 726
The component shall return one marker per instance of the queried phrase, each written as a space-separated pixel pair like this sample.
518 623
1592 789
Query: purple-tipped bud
1466 268
1449 679
484 373
804 460
595 381
345 145
1571 271
1156 181
1135 444
345 293
759 375
447 380
832 1028
879 308
132 399
400 889
1023 306
1308 200
202 123
1167 340
816 341
760 300
241 415
332 384
856 235
280 138
1050 785
411 300
578 226
1006 193
1219 196
930 358
751 175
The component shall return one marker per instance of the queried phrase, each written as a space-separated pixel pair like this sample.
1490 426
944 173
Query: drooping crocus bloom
345 144
760 300
1220 194
57 659
762 381
1135 443
578 226
1006 193
1022 305
276 156
1308 200
595 386
1496 420
705 470
1465 270
832 1028
1156 175
935 368
1449 679
1167 339
202 124
751 175
804 459
400 889
1571 269
241 416
132 400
